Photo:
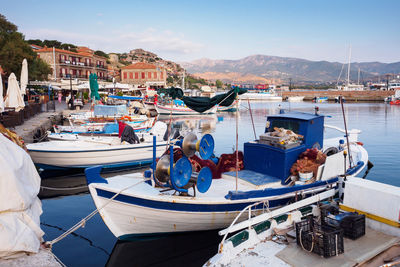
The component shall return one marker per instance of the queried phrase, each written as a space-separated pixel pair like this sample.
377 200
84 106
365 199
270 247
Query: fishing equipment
205 146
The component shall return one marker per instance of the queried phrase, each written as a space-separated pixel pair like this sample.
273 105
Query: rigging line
337 82
77 235
82 222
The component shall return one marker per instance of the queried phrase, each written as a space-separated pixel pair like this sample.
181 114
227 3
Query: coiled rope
82 222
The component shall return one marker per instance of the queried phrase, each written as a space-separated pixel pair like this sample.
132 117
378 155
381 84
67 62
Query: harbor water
66 200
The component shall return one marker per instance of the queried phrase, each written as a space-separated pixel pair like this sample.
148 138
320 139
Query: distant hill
282 68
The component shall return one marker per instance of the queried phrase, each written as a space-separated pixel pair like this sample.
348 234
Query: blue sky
219 29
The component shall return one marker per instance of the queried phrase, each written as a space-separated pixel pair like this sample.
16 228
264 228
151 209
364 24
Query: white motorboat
75 151
265 96
177 201
295 98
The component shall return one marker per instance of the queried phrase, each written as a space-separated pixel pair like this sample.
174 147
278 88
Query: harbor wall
356 96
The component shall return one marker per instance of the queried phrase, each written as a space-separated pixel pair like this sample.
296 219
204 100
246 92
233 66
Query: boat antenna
252 121
345 128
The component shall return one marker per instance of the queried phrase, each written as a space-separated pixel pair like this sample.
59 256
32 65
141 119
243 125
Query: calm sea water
95 245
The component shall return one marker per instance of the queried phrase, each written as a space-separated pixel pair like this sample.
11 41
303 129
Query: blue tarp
125 97
108 110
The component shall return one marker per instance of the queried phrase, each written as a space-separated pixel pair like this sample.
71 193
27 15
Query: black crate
353 224
323 240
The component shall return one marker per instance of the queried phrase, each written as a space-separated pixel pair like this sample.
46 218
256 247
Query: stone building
78 64
144 74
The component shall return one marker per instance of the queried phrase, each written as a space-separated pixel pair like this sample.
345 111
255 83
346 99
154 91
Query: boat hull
260 96
165 110
131 215
119 157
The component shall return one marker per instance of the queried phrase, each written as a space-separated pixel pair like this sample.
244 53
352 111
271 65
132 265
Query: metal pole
252 121
237 141
345 128
72 93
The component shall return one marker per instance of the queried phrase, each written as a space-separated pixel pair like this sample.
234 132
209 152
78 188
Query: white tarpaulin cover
1 95
24 76
20 208
14 97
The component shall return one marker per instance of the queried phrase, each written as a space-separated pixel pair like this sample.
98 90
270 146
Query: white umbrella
14 97
1 95
24 76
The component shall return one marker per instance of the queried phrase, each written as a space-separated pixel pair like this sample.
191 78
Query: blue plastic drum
204 180
206 147
182 172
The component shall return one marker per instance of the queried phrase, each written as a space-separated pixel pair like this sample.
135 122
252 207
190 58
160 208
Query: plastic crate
353 224
323 240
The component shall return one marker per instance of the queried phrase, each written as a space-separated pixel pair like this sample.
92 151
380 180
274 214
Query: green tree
35 42
13 49
101 53
218 83
52 43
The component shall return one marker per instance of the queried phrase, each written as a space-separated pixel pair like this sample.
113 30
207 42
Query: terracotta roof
140 65
50 49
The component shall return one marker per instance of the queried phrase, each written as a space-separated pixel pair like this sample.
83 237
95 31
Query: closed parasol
14 98
24 76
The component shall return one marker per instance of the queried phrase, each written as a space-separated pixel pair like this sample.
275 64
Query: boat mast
358 80
348 69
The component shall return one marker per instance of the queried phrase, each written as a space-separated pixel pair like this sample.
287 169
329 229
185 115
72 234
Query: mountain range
262 68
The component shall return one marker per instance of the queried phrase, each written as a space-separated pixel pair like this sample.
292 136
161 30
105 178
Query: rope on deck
82 222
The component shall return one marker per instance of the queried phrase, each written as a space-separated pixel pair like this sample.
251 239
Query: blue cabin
264 163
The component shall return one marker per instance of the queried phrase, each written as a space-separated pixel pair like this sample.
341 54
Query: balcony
67 76
76 64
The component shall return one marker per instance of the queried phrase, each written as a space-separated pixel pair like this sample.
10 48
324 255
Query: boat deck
355 251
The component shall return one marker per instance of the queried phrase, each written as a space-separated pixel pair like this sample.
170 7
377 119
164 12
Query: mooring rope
82 222
63 188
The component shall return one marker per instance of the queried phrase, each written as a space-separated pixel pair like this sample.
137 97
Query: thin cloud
166 41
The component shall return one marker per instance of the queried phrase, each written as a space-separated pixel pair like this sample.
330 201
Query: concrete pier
356 96
42 259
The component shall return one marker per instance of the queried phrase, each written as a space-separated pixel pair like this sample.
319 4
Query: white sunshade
118 86
1 95
14 98
24 76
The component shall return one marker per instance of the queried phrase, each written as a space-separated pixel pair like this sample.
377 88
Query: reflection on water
185 249
380 125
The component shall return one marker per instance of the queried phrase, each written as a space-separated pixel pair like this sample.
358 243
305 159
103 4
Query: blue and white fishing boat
171 198
320 99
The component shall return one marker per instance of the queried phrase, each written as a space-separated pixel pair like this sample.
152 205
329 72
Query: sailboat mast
358 80
348 68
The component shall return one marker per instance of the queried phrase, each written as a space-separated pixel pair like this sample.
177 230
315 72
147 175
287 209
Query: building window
125 76
136 75
155 75
143 75
130 75
149 75
162 75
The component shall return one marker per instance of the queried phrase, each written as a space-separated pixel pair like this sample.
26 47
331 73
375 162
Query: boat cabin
269 159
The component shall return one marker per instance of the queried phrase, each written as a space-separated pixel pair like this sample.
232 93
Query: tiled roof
140 65
50 49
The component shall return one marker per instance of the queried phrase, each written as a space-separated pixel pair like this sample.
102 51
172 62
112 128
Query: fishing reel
181 178
205 146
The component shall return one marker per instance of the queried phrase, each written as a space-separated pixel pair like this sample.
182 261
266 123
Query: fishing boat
179 108
172 198
79 152
294 98
269 95
320 99
356 232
